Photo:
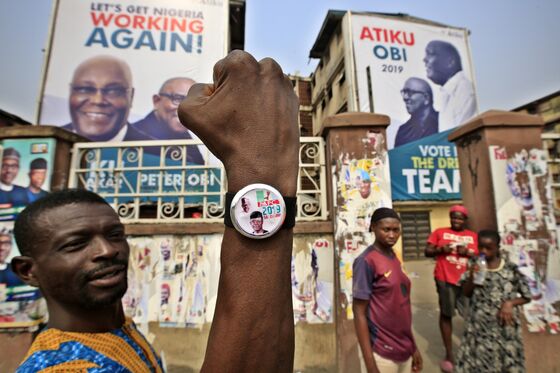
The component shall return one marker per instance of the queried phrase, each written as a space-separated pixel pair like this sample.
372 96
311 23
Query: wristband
259 211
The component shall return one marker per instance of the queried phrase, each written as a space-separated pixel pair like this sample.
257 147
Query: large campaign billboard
117 70
418 73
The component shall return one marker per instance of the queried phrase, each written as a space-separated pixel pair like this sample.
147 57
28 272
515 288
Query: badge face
258 211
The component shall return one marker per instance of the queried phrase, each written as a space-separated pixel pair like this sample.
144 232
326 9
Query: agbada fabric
121 350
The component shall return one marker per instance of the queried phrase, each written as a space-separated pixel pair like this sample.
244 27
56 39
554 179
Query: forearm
431 251
362 332
468 287
255 328
519 301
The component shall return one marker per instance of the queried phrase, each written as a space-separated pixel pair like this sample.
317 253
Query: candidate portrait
101 93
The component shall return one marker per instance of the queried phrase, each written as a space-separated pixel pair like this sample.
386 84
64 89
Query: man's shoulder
18 189
135 134
145 123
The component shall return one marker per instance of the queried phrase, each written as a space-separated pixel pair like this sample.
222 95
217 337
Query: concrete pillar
505 186
515 132
357 165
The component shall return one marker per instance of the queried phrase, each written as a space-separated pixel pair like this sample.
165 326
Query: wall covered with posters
25 174
173 279
524 209
361 180
420 75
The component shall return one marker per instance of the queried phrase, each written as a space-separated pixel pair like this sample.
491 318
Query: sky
515 44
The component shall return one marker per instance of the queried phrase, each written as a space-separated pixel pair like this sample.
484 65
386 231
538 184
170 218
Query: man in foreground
75 251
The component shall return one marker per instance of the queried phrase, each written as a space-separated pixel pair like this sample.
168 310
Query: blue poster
426 169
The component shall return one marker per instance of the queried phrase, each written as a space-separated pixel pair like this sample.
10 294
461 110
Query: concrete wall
183 348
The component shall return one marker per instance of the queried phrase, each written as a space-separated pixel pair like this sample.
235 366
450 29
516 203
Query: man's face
5 247
437 63
414 96
168 100
37 178
10 169
365 188
257 224
165 252
245 205
165 293
100 99
80 258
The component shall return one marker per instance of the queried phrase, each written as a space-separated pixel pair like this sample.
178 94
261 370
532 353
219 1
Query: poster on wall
426 169
420 75
174 279
524 209
25 176
118 69
362 185
312 280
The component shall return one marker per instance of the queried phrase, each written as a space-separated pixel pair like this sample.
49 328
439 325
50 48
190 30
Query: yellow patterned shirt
121 350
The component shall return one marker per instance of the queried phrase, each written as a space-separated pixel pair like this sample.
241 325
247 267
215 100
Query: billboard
419 75
117 70
425 169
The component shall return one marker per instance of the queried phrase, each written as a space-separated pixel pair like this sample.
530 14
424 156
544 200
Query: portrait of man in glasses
163 122
423 121
101 95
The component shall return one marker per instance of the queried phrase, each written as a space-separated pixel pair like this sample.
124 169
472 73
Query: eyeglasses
12 166
108 92
409 92
175 99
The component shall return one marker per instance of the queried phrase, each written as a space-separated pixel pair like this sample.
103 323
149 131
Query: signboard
425 169
418 74
117 69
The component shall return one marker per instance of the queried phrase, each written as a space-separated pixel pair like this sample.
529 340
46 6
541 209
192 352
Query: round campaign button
258 211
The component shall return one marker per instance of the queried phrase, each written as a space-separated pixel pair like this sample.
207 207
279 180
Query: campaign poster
524 208
312 280
21 306
27 166
25 176
118 69
426 169
420 75
361 181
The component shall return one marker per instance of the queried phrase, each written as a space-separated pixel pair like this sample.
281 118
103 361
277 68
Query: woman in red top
452 247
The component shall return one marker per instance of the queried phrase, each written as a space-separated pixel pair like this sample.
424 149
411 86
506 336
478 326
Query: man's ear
156 99
23 267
